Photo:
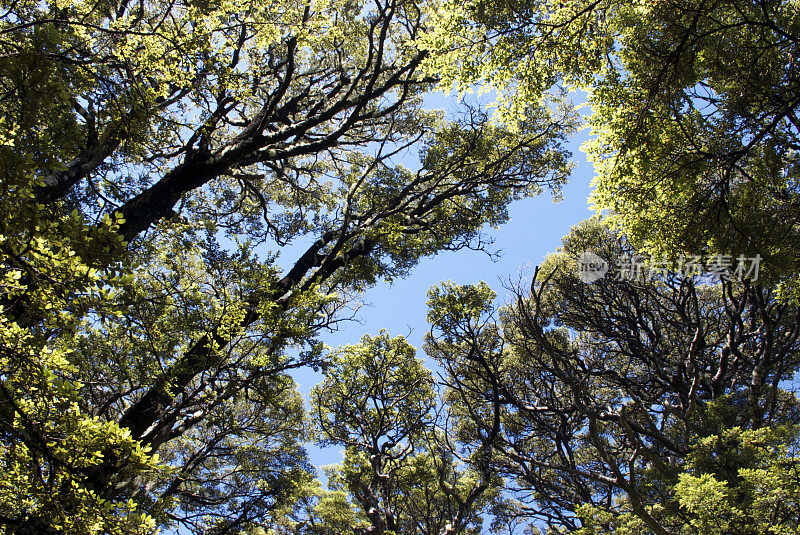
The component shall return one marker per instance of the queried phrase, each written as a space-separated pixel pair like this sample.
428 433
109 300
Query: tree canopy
625 406
694 109
157 158
163 161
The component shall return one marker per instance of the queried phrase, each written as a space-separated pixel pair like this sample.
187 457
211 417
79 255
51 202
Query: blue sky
535 229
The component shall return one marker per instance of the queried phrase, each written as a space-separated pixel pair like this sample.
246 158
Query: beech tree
157 157
400 470
635 406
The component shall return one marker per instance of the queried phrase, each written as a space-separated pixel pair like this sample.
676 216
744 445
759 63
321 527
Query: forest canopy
158 157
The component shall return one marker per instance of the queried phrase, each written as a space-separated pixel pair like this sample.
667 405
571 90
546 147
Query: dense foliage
157 156
694 109
194 191
629 406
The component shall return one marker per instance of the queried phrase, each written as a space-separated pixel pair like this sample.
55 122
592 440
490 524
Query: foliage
163 160
157 157
694 109
400 469
740 481
45 473
632 404
606 394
